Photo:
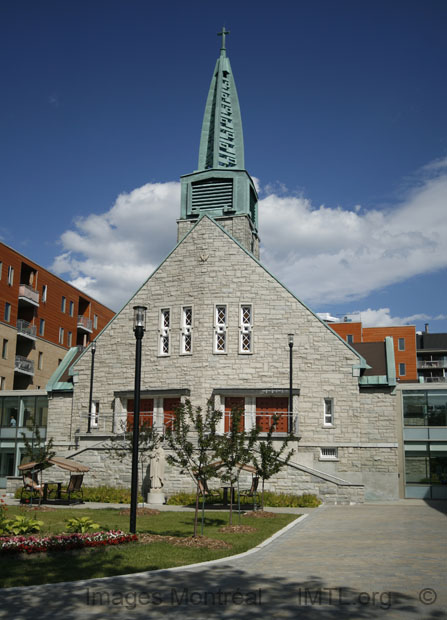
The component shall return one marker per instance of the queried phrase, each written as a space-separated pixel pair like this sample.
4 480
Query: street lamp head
139 317
290 338
93 345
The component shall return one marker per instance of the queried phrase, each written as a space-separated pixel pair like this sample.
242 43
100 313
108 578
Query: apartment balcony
435 379
85 324
441 363
25 329
28 295
24 365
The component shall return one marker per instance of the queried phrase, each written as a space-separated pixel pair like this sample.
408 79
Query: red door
234 402
146 412
267 407
169 406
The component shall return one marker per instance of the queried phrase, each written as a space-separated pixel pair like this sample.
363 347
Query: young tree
194 441
270 460
236 450
39 451
120 446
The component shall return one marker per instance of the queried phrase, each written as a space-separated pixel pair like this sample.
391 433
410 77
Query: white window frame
42 327
402 366
95 321
61 335
44 293
71 308
69 339
10 275
63 304
186 330
7 314
220 329
165 332
40 360
5 349
328 454
245 329
94 419
328 417
401 341
2 383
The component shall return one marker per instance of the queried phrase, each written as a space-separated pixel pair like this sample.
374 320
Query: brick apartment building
41 317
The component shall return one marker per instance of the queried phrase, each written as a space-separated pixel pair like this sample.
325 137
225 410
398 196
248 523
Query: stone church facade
217 328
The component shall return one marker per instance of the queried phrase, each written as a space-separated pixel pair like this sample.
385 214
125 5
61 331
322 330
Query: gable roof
362 362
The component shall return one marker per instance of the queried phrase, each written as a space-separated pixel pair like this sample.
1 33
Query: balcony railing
27 293
26 329
435 379
24 365
85 323
441 363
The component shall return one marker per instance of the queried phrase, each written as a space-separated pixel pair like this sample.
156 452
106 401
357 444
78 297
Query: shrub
80 525
103 494
108 495
275 500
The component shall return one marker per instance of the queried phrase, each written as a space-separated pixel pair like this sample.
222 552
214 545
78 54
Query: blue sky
343 106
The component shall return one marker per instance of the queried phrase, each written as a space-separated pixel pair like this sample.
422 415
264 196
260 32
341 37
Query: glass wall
19 415
425 408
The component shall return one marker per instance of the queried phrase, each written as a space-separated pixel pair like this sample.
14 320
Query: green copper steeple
222 142
221 187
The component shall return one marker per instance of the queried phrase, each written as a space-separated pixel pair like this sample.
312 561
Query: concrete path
350 562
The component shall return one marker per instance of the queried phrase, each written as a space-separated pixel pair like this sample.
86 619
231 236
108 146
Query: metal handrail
24 364
85 322
23 327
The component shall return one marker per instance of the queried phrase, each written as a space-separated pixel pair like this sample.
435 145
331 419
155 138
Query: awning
60 461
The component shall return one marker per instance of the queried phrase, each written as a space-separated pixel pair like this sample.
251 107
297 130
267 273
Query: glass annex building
20 414
425 442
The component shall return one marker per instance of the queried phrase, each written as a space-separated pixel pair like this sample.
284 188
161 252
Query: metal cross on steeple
222 34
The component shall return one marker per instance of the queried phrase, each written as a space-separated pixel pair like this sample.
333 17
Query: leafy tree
236 450
194 441
270 460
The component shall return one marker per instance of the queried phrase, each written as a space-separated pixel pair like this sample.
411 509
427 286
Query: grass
24 570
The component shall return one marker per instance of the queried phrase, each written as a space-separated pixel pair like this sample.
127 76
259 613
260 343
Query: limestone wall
206 269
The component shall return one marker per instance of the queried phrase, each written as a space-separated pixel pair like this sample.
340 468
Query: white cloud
325 255
111 254
382 318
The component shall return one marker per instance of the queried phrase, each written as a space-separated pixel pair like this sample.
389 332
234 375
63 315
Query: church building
220 326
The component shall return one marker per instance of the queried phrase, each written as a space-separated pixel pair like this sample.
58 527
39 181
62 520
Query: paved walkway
351 562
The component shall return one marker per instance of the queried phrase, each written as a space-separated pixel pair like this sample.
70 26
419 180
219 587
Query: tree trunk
262 500
231 503
196 514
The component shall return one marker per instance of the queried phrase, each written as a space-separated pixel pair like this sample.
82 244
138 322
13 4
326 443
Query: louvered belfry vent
212 194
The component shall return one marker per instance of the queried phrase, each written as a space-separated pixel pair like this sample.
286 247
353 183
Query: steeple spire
221 188
222 141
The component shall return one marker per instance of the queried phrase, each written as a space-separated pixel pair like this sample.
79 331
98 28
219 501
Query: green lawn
23 569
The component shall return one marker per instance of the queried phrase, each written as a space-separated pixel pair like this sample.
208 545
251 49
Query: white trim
326 400
220 330
164 331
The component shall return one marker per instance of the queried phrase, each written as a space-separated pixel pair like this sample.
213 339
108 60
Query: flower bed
63 542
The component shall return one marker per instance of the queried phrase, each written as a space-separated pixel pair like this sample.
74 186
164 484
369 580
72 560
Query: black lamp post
139 326
290 337
90 400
